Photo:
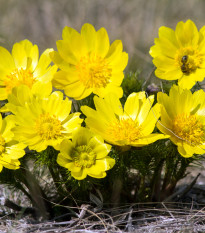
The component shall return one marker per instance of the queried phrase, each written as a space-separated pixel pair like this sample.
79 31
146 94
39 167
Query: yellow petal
34 55
98 175
110 88
164 62
131 107
119 62
187 33
105 110
7 124
79 175
76 44
169 34
114 51
117 78
42 89
66 149
89 36
145 109
15 150
94 120
1 167
59 61
6 60
62 79
149 123
3 94
69 33
187 82
66 52
174 74
19 56
102 150
81 136
44 60
149 139
0 122
183 152
77 90
72 122
113 101
102 42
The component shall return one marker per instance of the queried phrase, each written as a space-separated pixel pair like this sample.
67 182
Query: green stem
56 179
20 187
156 181
116 192
36 194
52 167
175 177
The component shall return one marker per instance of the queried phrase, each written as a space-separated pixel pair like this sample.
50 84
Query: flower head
132 126
88 63
86 154
183 118
23 66
10 149
180 54
22 95
44 121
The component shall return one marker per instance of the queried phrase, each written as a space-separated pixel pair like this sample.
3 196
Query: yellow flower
23 66
45 121
183 118
180 54
132 126
22 95
89 63
10 149
86 154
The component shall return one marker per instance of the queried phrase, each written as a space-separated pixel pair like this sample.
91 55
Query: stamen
125 130
18 77
84 156
94 71
188 59
48 127
189 129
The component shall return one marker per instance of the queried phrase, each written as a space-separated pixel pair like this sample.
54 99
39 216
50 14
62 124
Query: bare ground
185 213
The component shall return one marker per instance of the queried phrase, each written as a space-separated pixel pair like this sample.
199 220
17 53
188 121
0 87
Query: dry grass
141 217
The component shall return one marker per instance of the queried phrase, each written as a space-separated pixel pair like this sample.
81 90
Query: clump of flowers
180 54
109 144
88 63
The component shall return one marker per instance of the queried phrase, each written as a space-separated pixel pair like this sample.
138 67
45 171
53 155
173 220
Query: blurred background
135 22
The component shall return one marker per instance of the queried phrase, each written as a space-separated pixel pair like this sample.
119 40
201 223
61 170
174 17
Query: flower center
189 129
84 156
125 130
18 77
94 71
188 59
2 145
48 127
